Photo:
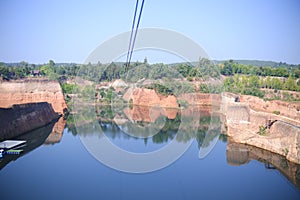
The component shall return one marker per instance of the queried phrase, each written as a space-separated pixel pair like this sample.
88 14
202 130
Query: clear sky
68 31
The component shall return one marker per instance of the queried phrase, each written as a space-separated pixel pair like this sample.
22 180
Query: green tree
297 72
290 84
268 82
51 63
4 72
227 68
276 83
254 82
204 88
19 72
184 69
145 60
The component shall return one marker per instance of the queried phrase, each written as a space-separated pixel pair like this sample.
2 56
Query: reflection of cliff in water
33 139
57 132
158 124
238 154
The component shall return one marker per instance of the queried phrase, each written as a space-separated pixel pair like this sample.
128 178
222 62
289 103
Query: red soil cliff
32 91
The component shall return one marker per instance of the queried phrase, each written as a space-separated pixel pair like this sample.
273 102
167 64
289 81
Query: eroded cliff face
32 91
148 97
22 118
201 99
288 109
276 133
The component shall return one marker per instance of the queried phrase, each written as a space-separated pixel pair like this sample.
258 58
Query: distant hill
260 63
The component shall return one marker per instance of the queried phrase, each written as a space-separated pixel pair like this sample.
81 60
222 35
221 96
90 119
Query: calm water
66 168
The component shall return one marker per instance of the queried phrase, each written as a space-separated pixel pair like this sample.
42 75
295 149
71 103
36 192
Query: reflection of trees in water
162 130
110 129
168 132
71 125
209 129
187 129
223 137
105 112
202 134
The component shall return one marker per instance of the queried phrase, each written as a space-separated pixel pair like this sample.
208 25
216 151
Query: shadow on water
34 139
240 154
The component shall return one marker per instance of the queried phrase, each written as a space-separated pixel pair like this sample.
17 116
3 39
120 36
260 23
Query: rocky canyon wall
149 97
278 133
288 109
32 91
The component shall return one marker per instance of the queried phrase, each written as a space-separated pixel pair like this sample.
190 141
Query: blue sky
68 31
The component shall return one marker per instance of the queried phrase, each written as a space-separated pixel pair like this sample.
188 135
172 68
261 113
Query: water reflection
239 154
57 132
158 129
158 124
48 134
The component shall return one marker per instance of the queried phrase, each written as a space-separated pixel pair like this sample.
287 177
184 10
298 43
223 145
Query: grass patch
262 130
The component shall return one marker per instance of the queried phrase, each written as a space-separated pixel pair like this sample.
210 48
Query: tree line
229 68
239 78
50 70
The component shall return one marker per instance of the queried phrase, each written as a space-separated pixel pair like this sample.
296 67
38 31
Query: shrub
285 151
189 78
276 112
262 130
183 103
130 104
68 88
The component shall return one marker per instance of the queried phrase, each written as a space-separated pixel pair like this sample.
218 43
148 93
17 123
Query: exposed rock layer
288 109
148 97
32 91
275 133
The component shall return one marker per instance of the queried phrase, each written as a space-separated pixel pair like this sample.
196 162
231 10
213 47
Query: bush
189 78
262 130
68 88
161 89
276 112
204 88
130 104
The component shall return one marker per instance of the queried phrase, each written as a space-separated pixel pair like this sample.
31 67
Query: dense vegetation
50 70
236 77
230 68
107 72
